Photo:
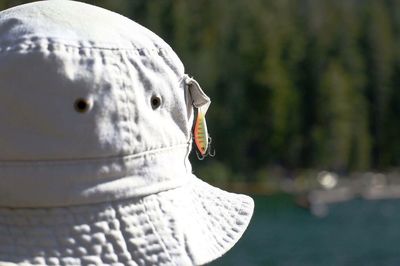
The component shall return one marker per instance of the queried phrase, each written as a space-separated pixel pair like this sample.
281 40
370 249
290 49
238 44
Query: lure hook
200 157
209 153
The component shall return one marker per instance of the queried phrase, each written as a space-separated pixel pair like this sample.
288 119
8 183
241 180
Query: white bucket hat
96 121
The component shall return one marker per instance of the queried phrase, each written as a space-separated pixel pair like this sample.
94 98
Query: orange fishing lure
201 137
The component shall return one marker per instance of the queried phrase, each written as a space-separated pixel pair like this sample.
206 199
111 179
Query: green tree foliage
294 84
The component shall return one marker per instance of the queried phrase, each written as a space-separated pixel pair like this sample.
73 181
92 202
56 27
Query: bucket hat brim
192 224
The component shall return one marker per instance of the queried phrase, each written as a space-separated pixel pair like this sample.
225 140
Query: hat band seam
87 161
71 184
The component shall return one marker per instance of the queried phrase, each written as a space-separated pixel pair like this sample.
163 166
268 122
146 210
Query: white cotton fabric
112 185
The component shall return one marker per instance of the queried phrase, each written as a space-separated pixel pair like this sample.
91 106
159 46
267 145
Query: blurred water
357 232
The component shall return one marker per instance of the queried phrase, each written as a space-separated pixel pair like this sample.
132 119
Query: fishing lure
200 103
201 137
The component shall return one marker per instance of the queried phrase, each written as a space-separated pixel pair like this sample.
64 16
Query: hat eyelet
82 105
155 102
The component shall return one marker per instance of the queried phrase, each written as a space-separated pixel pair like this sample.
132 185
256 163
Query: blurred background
304 117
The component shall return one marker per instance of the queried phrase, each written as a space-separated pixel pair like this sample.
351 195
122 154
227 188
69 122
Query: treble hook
200 157
209 153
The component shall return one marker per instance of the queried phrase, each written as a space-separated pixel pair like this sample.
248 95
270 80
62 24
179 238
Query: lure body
201 134
200 102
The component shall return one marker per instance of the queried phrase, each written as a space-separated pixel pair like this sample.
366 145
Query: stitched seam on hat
45 42
91 160
124 100
163 245
168 62
127 101
117 207
205 210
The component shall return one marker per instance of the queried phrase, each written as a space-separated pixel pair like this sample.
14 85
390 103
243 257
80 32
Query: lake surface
358 232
